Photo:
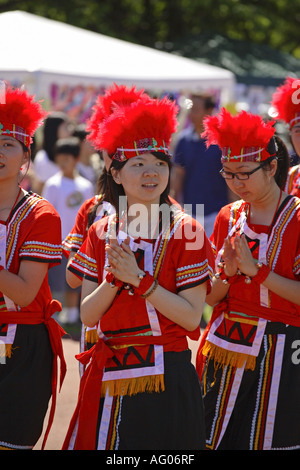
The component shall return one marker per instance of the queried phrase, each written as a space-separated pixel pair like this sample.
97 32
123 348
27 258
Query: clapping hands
121 261
237 256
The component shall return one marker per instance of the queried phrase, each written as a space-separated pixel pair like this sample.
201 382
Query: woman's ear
116 175
273 167
26 158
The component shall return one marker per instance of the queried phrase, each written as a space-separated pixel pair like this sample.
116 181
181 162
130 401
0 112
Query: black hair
277 146
80 132
101 185
209 101
68 145
113 191
51 125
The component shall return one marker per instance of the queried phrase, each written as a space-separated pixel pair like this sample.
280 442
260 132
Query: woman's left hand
245 260
122 262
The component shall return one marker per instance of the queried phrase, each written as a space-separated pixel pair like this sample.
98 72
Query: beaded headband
248 154
139 147
244 137
20 115
16 132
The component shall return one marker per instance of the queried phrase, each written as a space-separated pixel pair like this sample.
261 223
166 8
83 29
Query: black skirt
25 387
169 420
256 409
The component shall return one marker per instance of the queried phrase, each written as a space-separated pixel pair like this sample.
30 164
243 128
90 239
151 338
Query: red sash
249 309
55 334
90 388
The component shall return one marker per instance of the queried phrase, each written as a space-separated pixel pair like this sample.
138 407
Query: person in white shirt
66 191
56 126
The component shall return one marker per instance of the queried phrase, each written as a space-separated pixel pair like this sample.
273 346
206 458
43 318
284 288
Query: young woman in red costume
91 210
248 359
30 231
97 207
286 101
145 282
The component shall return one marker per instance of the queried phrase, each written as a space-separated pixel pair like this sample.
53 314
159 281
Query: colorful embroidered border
16 132
192 274
223 401
139 147
82 265
277 233
162 242
30 249
73 241
247 154
293 179
263 421
41 250
296 266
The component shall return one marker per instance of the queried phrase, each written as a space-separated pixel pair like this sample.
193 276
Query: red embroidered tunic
281 251
33 232
179 260
293 181
78 234
236 328
129 356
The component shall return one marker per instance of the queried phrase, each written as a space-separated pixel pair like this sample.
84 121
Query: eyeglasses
241 175
295 130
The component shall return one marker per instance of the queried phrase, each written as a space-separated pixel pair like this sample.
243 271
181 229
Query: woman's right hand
229 257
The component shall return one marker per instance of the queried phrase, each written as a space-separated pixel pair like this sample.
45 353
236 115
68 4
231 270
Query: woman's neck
9 196
262 210
143 220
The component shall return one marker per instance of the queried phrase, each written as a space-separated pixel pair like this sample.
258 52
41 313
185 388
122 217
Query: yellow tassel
132 386
228 358
5 351
91 336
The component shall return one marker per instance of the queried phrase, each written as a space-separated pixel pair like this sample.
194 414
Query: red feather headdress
114 98
145 126
244 137
127 122
286 101
20 115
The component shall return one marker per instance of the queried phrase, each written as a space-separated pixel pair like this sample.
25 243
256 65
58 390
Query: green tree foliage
158 23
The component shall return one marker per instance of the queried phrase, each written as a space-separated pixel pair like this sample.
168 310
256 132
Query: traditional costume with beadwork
30 340
286 102
245 359
293 181
105 105
73 242
140 390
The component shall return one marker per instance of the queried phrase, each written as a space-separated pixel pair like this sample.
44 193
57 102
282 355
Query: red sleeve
296 264
195 264
77 235
91 254
43 240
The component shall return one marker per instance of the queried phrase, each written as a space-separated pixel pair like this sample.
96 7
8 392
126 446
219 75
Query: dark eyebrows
7 137
238 168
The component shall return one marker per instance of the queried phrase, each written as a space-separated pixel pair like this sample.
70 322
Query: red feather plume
114 98
286 99
237 132
21 109
145 118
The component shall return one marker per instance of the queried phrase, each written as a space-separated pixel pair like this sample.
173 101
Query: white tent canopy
39 51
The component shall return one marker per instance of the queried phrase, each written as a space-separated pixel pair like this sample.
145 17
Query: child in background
90 163
67 191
